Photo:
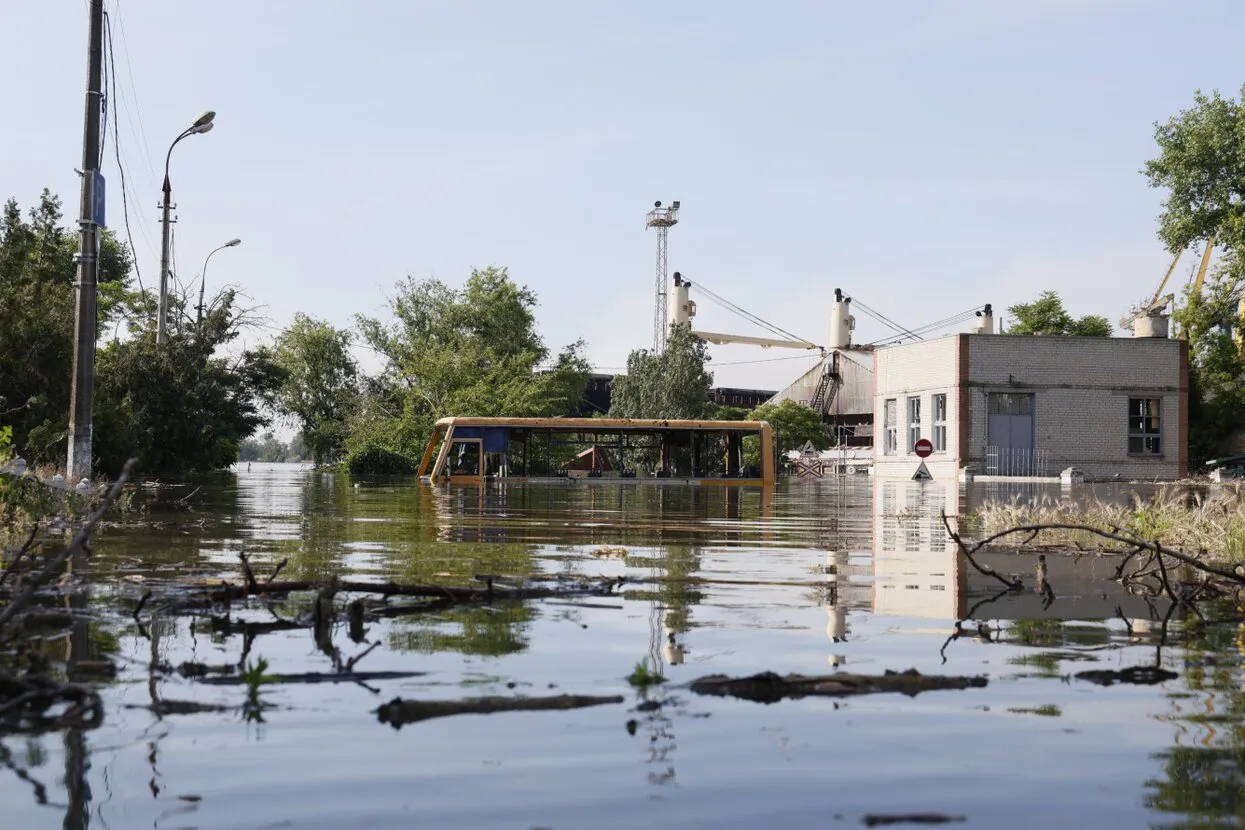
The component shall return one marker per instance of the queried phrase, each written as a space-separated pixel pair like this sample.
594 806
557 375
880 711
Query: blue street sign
97 198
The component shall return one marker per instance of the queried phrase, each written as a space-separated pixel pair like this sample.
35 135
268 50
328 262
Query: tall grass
1193 522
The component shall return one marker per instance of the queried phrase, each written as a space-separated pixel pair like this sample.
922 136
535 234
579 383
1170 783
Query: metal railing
1020 462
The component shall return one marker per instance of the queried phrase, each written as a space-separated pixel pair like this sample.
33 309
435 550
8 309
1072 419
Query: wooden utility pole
90 220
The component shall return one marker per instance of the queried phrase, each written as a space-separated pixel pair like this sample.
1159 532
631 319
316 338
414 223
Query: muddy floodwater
809 578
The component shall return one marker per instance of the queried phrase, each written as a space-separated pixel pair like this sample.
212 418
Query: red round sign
923 448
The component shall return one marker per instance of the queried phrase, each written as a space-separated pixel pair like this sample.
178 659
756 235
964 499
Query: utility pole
90 218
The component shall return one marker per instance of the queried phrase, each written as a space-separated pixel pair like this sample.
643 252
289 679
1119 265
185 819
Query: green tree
37 321
320 388
793 426
1047 315
474 351
673 384
1216 364
183 405
1201 164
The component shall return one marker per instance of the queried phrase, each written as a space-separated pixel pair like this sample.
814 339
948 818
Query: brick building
1016 405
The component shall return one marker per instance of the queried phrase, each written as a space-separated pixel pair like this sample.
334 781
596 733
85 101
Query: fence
1020 462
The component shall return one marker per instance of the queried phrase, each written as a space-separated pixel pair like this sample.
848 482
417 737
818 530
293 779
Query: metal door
1010 432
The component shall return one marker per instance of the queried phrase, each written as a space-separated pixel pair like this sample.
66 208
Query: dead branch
1135 675
879 819
311 677
21 553
399 712
387 589
768 687
1113 535
1013 584
80 542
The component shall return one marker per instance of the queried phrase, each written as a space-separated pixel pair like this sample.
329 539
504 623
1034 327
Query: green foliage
674 384
1047 315
473 351
793 426
1216 366
642 676
375 460
730 413
1201 163
37 321
180 405
320 388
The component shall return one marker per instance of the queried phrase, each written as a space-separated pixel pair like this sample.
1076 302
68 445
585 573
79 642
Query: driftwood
311 677
25 702
489 593
1135 675
769 687
879 819
398 712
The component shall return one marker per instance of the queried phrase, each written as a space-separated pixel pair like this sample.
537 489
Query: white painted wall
919 370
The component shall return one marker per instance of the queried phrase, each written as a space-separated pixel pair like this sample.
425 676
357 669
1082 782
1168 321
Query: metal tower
663 219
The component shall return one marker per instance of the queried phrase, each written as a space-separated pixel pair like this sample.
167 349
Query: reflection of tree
488 632
1205 782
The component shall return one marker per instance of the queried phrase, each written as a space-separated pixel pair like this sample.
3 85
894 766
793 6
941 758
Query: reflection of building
919 572
915 567
1010 405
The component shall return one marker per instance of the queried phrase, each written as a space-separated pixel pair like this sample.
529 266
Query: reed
1196 522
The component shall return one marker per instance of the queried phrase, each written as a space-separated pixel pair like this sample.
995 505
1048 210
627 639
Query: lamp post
203 277
202 124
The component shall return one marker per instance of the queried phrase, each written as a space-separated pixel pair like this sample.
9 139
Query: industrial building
1033 406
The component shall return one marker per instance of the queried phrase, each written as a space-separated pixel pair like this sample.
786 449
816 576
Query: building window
940 423
914 423
890 415
1145 426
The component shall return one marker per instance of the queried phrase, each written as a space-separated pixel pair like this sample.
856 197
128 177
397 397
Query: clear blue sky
925 157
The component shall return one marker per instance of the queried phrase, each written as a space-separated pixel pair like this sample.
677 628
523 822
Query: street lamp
203 277
202 124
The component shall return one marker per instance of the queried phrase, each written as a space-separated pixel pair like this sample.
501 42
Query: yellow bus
687 452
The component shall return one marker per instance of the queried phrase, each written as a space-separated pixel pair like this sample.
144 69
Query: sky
925 158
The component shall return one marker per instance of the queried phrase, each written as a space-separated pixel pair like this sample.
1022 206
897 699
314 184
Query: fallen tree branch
78 543
768 687
1012 584
311 677
399 712
1113 536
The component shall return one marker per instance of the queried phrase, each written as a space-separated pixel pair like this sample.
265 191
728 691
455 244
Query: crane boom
1201 270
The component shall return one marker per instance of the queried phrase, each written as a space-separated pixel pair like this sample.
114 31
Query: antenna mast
663 219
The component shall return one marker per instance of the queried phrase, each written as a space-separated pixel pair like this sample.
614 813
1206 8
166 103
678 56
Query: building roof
855 396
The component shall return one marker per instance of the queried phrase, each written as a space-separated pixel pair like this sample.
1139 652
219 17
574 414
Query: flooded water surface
853 576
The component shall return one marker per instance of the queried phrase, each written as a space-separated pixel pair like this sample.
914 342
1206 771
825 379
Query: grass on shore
1189 521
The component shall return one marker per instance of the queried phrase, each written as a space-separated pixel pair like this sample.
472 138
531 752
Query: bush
375 460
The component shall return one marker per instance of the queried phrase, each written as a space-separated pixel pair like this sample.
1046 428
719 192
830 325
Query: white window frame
939 406
890 427
914 422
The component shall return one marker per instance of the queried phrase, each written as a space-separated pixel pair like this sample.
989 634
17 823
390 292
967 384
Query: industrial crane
1159 303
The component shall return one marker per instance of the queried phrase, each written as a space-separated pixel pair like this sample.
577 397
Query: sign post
923 448
809 462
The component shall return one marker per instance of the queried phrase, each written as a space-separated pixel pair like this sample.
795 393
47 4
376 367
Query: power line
116 148
747 315
140 134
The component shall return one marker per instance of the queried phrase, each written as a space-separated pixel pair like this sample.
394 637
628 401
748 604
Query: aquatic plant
643 677
1197 522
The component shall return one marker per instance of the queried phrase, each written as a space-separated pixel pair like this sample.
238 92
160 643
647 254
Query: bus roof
591 424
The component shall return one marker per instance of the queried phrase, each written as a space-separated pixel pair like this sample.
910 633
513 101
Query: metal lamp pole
202 124
203 277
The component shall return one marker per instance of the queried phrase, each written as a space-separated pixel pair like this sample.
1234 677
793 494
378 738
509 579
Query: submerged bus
687 452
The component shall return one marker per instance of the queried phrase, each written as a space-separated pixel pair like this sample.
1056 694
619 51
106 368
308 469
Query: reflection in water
714 579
